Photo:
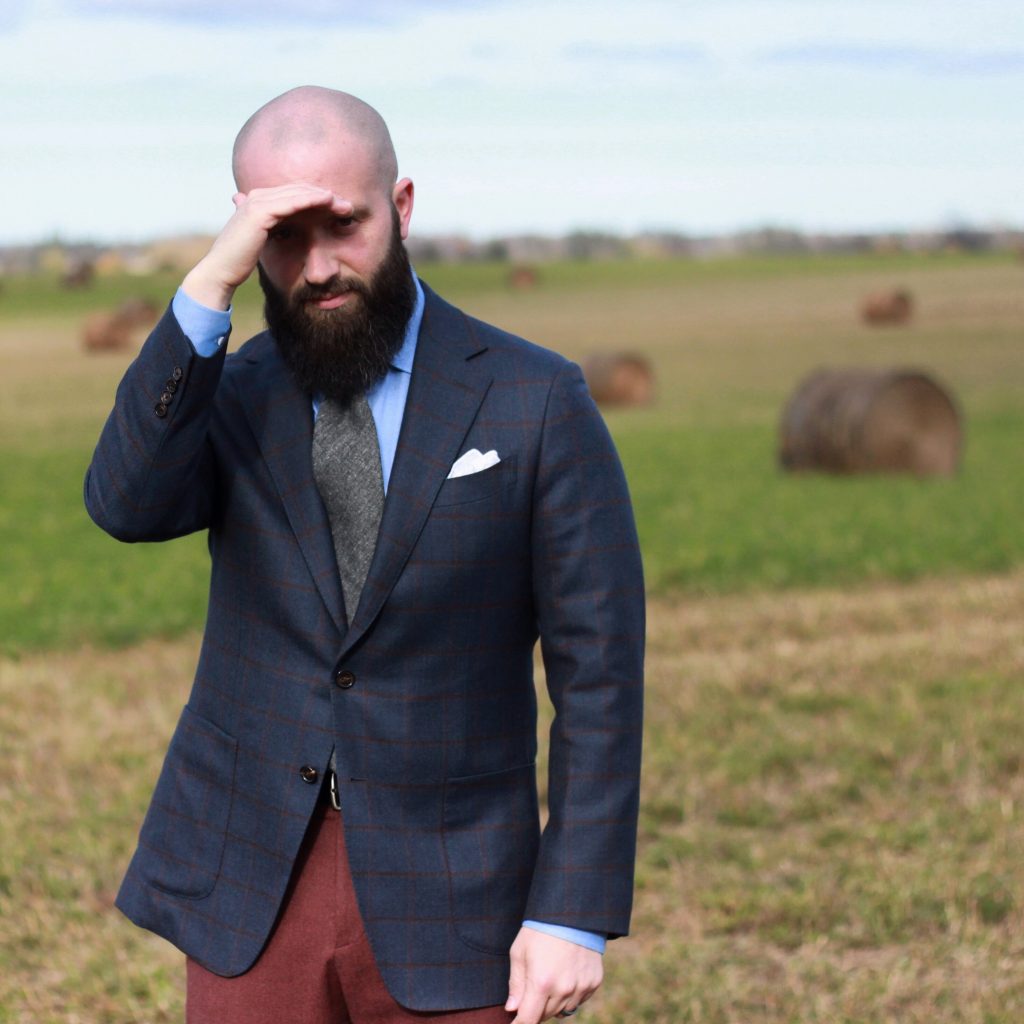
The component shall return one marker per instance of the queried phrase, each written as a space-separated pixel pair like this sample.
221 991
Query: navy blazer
427 695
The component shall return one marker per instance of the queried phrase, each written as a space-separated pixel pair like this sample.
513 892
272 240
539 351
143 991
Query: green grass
68 582
728 340
30 295
715 514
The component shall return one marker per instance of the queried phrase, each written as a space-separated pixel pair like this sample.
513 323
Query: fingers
549 975
516 977
268 206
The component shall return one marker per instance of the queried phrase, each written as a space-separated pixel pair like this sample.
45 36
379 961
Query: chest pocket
497 479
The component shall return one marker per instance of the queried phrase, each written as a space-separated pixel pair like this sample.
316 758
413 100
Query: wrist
206 288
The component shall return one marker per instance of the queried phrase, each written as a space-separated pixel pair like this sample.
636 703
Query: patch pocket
182 838
477 486
491 838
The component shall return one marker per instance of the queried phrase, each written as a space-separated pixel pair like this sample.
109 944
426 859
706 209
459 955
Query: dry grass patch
830 829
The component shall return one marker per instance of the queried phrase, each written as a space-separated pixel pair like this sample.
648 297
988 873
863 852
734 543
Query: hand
548 975
236 250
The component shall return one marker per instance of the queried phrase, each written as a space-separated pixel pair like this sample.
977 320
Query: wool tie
346 467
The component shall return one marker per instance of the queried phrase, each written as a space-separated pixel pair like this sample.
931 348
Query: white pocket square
473 462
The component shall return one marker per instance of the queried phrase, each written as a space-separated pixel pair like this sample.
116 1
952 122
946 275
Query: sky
518 116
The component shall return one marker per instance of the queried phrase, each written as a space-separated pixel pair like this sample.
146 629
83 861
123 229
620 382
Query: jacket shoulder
508 354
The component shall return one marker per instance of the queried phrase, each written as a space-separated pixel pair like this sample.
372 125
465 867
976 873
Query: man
399 499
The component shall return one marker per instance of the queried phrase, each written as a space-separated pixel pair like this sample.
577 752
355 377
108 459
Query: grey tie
346 466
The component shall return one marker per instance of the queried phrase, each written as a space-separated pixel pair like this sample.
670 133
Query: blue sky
517 115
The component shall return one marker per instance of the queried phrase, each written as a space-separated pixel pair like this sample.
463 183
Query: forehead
343 165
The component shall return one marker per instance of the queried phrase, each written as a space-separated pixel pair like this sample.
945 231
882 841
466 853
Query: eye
281 233
343 223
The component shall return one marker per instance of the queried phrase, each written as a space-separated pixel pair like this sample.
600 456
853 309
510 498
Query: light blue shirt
207 330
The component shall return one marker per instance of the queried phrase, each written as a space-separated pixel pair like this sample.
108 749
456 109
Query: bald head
311 116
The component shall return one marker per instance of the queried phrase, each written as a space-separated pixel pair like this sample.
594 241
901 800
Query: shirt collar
404 356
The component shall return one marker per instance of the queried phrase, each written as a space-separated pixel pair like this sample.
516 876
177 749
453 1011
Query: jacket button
177 373
309 774
170 385
160 409
167 398
344 678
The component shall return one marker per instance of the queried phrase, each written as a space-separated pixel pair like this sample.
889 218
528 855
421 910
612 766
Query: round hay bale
871 421
889 308
120 329
81 275
523 278
623 378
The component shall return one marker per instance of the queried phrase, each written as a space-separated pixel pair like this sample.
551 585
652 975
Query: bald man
399 500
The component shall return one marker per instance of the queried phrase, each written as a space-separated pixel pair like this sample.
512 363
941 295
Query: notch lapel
281 418
447 388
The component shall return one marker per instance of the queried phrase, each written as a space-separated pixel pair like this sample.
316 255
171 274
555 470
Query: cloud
918 59
661 54
257 12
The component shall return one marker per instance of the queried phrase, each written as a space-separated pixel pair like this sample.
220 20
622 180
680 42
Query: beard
341 353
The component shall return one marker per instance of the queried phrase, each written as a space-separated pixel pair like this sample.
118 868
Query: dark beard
341 353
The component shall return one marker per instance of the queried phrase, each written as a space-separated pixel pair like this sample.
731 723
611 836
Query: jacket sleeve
152 474
589 597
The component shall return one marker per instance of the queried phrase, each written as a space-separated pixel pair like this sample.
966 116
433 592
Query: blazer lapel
281 417
447 387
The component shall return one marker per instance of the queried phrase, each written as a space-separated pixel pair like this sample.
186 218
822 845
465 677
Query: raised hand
236 250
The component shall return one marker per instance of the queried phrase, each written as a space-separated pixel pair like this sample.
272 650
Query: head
338 289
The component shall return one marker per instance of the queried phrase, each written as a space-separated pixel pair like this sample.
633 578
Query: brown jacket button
167 398
160 409
344 678
177 373
309 774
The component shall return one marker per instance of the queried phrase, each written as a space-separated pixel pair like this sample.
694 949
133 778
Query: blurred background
786 242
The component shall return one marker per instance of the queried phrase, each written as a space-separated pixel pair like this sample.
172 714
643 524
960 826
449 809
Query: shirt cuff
206 328
591 940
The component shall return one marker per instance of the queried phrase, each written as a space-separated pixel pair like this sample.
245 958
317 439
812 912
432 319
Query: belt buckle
333 779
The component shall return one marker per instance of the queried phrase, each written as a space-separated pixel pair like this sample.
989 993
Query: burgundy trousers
317 967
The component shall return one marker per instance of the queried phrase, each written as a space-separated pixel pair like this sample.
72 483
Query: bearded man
399 501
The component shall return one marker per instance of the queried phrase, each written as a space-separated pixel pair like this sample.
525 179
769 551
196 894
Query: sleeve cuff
206 328
591 940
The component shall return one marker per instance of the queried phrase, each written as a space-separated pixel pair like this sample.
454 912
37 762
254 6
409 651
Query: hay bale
623 378
871 421
889 308
81 275
119 329
523 278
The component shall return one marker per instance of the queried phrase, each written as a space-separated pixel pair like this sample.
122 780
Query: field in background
728 340
831 816
833 780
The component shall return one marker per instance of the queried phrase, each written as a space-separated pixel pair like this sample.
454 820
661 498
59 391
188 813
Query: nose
321 264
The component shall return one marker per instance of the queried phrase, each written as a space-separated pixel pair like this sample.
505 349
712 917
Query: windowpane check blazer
427 694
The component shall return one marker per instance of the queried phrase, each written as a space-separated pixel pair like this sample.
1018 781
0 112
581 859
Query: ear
402 197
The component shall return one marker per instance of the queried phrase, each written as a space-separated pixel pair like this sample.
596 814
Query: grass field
729 342
831 816
833 787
